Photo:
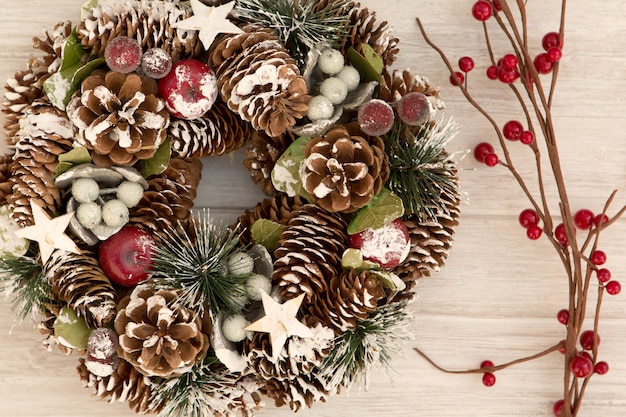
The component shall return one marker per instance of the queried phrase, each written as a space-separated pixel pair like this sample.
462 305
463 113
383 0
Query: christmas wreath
304 293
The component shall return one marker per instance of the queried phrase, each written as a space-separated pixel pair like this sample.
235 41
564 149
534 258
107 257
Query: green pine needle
421 168
24 276
298 24
195 263
372 343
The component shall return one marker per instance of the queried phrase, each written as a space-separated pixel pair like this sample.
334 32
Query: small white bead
89 214
233 328
350 76
320 108
129 193
334 90
330 61
85 190
115 213
256 283
240 264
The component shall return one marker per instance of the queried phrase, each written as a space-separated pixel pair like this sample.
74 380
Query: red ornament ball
489 379
123 54
509 61
555 54
491 160
492 72
583 219
543 64
603 275
482 150
581 366
534 232
527 137
482 10
551 40
375 117
512 130
528 217
466 64
613 287
601 368
598 257
563 316
587 339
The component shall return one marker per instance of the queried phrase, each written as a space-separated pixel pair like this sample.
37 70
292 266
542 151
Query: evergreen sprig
194 261
420 167
372 343
23 276
301 25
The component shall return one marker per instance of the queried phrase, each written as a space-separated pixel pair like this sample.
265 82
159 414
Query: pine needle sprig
23 276
372 343
421 171
194 261
301 25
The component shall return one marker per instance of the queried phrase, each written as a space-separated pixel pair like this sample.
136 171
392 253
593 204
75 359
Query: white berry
240 264
233 328
330 61
115 213
129 193
89 215
334 90
350 76
257 283
320 108
85 190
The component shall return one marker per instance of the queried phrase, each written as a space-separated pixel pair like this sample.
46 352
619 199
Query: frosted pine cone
397 84
262 155
157 336
5 173
342 172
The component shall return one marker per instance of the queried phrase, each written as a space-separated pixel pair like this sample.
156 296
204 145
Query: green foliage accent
384 208
72 328
24 277
286 171
300 27
267 233
369 64
67 160
420 167
193 259
159 161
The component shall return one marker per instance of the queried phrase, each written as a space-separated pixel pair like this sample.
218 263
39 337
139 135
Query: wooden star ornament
280 322
209 21
48 232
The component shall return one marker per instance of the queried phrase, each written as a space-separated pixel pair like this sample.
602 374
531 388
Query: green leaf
159 162
353 258
71 328
370 65
73 51
390 280
83 72
286 172
267 233
384 208
67 160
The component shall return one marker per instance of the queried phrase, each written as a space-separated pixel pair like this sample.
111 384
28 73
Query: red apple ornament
126 257
387 246
189 89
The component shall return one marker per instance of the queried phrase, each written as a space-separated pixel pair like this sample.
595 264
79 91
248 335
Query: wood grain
499 293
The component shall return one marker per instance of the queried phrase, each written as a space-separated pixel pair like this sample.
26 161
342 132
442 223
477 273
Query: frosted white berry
257 283
350 76
330 61
129 193
240 264
320 108
334 90
85 190
89 215
115 213
233 328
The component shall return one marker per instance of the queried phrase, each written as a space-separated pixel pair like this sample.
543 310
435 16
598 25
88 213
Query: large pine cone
259 80
216 133
343 171
262 155
157 336
148 21
5 174
45 134
79 281
309 253
119 117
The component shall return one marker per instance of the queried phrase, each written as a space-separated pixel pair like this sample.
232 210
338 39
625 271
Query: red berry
581 366
482 150
600 219
603 275
583 219
534 232
527 137
375 117
123 54
551 40
562 348
598 257
486 364
563 316
497 5
492 72
560 235
512 130
543 64
557 408
507 76
491 160
489 379
482 10
587 339
414 109
601 368
466 64
528 217
509 61
613 287
555 54
457 79
586 355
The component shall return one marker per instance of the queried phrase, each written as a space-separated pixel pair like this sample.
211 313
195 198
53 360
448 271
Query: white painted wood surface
499 293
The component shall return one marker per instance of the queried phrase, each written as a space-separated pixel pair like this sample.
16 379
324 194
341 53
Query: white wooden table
499 293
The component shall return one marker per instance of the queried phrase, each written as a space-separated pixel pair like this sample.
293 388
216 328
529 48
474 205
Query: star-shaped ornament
280 322
209 21
48 232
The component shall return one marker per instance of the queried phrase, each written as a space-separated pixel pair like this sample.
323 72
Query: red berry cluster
484 152
529 219
506 70
582 365
466 64
514 130
489 379
552 44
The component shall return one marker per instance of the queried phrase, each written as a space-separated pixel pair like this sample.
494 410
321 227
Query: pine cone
342 171
45 133
302 391
119 117
259 80
309 253
169 197
148 21
79 281
262 155
157 336
397 84
5 174
126 384
216 133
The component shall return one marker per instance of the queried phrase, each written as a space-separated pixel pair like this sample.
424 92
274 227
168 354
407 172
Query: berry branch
581 258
